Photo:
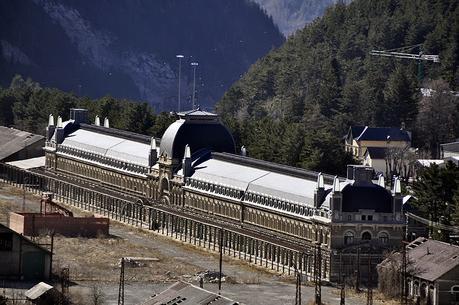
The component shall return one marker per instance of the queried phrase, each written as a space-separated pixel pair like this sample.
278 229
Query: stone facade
324 214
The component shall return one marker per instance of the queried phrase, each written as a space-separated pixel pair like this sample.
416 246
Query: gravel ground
248 284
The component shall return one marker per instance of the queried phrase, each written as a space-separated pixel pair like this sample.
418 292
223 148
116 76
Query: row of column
236 244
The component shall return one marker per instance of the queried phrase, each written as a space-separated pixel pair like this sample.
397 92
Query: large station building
195 166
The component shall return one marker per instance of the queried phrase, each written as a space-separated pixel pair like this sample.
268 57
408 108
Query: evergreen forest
295 104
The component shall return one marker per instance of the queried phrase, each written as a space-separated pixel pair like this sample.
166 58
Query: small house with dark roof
448 150
19 145
375 157
359 138
21 259
433 268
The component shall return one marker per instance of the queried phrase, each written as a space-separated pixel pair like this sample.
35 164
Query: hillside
291 15
294 105
127 48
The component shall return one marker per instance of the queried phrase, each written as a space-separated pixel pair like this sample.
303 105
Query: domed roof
367 196
198 129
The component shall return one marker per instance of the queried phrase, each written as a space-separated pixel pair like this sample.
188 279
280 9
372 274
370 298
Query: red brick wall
33 224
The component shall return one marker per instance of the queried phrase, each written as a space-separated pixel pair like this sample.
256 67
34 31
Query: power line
431 223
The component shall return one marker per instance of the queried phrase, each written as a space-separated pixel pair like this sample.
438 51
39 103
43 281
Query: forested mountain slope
127 48
294 105
291 15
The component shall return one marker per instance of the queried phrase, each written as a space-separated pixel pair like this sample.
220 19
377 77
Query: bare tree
400 161
437 120
97 295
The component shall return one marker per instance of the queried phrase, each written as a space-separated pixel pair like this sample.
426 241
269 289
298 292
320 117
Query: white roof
429 162
263 182
37 291
29 163
109 146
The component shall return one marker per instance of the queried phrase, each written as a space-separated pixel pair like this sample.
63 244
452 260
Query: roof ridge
272 167
128 135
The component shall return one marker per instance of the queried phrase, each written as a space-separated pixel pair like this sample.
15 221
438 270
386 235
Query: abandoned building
433 271
18 145
55 219
191 185
184 293
21 259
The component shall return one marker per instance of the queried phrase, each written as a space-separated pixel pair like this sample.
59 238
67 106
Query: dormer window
364 217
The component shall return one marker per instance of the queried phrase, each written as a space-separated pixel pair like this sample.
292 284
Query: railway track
215 220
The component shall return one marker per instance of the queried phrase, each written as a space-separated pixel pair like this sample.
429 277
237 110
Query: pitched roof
357 131
23 238
37 291
197 113
14 140
451 147
186 294
376 152
432 258
109 145
383 134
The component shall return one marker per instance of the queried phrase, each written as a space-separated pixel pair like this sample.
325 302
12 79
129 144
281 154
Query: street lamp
194 64
179 56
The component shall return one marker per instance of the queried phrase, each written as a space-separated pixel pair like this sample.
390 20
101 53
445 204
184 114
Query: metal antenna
194 64
179 56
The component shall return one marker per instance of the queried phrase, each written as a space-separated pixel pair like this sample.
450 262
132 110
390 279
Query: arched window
454 292
366 236
348 238
383 238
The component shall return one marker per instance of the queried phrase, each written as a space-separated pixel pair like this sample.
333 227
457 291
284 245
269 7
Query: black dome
198 129
367 196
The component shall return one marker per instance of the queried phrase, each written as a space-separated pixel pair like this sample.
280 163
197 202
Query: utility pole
193 101
357 276
220 262
403 292
121 285
317 275
298 287
179 56
369 288
341 279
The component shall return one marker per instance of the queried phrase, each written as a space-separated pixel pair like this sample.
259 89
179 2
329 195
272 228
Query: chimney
336 197
79 115
320 191
59 134
381 181
243 151
97 121
360 173
186 163
153 153
50 128
106 123
397 196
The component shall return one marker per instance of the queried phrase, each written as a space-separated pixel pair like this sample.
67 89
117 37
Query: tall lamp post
179 56
194 65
